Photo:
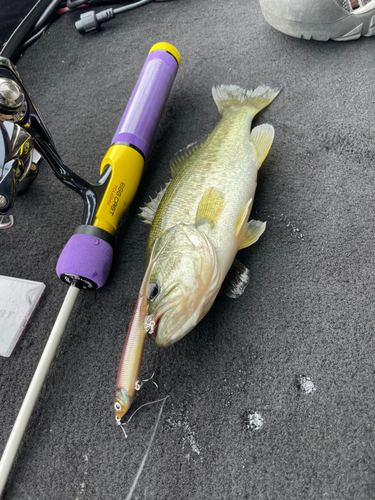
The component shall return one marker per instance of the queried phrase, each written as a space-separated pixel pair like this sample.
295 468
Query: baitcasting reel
23 137
17 171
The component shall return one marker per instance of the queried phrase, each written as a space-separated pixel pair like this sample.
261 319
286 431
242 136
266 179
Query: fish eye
153 291
117 406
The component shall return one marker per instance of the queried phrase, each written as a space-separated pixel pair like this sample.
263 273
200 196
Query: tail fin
229 97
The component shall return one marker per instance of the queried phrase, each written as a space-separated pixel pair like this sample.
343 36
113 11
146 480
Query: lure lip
123 401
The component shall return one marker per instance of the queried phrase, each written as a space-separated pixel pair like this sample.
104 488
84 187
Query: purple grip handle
87 257
142 114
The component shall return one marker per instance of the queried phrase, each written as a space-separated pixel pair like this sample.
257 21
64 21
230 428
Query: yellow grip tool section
127 166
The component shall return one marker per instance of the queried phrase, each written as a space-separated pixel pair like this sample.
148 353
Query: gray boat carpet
272 395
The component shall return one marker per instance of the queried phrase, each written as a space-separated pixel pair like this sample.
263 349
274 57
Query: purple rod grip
87 257
142 114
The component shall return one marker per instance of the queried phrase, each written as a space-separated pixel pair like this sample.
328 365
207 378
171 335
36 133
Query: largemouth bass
200 219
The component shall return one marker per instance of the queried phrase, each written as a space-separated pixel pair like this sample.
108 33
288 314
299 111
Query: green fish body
201 217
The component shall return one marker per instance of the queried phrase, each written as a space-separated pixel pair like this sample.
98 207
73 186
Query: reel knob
12 100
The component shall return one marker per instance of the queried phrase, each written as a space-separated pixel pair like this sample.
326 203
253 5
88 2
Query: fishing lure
128 382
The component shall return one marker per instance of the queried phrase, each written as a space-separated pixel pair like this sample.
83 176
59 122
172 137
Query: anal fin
243 216
251 233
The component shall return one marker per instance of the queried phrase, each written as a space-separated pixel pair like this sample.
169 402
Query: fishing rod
86 259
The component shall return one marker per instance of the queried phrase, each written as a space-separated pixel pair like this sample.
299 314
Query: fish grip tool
86 259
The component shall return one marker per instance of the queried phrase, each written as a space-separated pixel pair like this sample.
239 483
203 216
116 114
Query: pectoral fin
236 281
251 233
262 137
210 207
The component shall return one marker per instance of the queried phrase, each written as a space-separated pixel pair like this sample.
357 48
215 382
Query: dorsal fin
148 212
180 157
210 207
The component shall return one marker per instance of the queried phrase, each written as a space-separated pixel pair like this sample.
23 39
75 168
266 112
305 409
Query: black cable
90 22
39 19
23 29
34 38
45 18
73 4
132 6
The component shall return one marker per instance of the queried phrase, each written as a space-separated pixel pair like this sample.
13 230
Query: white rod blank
35 387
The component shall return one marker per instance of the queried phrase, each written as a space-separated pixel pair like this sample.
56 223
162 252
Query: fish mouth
178 331
160 315
164 309
172 325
